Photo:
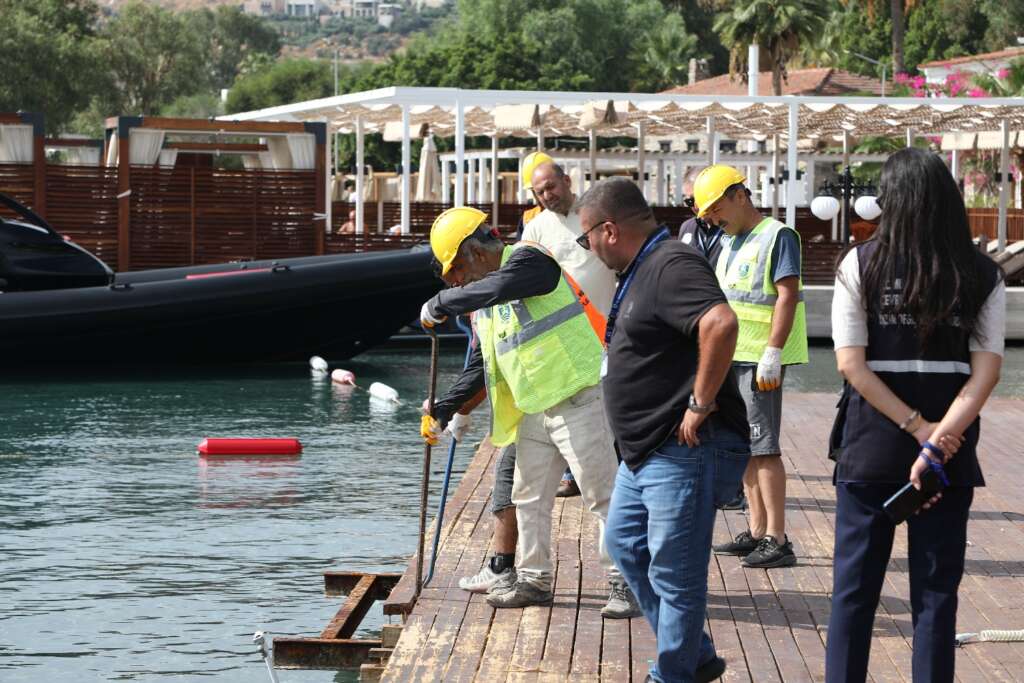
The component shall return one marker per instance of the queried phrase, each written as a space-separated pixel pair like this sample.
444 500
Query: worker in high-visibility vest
539 355
759 272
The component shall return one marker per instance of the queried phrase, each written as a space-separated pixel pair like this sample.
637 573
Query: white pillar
446 180
954 166
521 192
712 142
753 69
843 208
406 162
662 185
775 176
677 182
641 157
460 154
481 184
540 138
330 163
360 164
910 137
809 176
1004 184
791 162
471 182
592 155
495 193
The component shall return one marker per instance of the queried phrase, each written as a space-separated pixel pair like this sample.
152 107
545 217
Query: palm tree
898 9
668 50
778 27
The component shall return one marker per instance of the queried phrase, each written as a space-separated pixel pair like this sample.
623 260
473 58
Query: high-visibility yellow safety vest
747 284
537 352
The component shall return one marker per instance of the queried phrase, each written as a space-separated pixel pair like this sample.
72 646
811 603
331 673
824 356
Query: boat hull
288 309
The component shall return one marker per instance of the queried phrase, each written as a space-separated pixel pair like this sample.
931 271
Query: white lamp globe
867 207
825 208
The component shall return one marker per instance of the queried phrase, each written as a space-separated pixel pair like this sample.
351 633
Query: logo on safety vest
744 269
687 238
505 312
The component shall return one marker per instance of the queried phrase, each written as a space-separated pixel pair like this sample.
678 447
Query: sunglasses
584 239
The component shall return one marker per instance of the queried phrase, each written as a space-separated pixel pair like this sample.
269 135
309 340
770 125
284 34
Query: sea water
124 556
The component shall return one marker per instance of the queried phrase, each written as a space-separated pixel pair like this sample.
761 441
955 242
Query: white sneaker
485 579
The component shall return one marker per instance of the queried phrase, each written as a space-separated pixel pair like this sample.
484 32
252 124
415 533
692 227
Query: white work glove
458 426
769 370
426 319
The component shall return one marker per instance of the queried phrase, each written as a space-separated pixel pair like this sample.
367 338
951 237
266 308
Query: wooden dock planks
769 625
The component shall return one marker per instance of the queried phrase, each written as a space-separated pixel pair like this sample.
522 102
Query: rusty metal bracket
335 648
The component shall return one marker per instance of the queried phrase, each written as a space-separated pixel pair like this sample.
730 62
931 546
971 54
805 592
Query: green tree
941 29
533 44
152 58
284 82
669 49
47 58
699 18
232 37
779 27
898 10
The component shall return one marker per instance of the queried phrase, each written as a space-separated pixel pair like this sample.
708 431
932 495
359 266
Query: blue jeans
659 534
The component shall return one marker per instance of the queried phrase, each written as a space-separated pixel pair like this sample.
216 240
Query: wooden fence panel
17 181
160 217
986 221
81 204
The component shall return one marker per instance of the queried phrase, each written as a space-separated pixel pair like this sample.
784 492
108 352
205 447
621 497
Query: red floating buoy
249 447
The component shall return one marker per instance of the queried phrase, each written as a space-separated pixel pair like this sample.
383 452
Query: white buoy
383 392
340 376
318 364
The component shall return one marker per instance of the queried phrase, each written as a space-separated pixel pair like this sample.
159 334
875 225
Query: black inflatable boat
60 304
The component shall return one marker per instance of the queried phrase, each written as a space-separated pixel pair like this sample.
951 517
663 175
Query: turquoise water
125 557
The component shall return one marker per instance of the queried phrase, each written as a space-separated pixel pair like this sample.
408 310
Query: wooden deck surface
768 625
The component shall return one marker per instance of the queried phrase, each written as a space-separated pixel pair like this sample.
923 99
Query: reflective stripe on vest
535 359
747 284
945 367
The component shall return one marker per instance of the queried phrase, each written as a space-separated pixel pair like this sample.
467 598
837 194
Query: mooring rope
990 636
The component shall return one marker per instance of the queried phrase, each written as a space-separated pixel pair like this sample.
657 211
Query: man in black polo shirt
677 417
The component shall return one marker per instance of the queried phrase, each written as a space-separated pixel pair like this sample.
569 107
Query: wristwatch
695 407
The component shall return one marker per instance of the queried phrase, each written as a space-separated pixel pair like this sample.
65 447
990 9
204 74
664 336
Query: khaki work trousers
575 433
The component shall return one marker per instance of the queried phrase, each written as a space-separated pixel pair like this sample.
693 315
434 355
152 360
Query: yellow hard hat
450 229
712 183
530 163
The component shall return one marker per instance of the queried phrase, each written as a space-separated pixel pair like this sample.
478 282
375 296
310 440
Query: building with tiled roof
988 63
825 81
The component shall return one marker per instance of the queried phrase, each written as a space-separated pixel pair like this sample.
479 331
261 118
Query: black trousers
937 539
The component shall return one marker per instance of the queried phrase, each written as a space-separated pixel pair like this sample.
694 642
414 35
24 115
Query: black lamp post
845 190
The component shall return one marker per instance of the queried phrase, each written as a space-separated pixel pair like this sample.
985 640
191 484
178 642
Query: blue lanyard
620 291
707 245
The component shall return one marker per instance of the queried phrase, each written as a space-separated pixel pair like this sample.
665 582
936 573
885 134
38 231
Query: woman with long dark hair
918 322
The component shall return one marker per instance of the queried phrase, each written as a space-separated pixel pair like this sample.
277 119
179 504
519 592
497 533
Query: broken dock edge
335 648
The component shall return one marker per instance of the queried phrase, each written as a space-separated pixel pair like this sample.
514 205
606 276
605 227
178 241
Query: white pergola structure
788 119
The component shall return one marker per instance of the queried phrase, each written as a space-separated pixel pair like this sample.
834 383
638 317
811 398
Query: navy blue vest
874 449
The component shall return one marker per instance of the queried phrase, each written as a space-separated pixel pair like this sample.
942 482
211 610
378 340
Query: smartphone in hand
909 500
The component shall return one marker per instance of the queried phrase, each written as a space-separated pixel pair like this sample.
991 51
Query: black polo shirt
652 355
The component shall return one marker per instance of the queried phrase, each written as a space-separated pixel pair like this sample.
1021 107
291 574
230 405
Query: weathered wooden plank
770 626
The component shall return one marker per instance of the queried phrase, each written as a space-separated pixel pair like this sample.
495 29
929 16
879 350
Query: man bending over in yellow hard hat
759 271
539 355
